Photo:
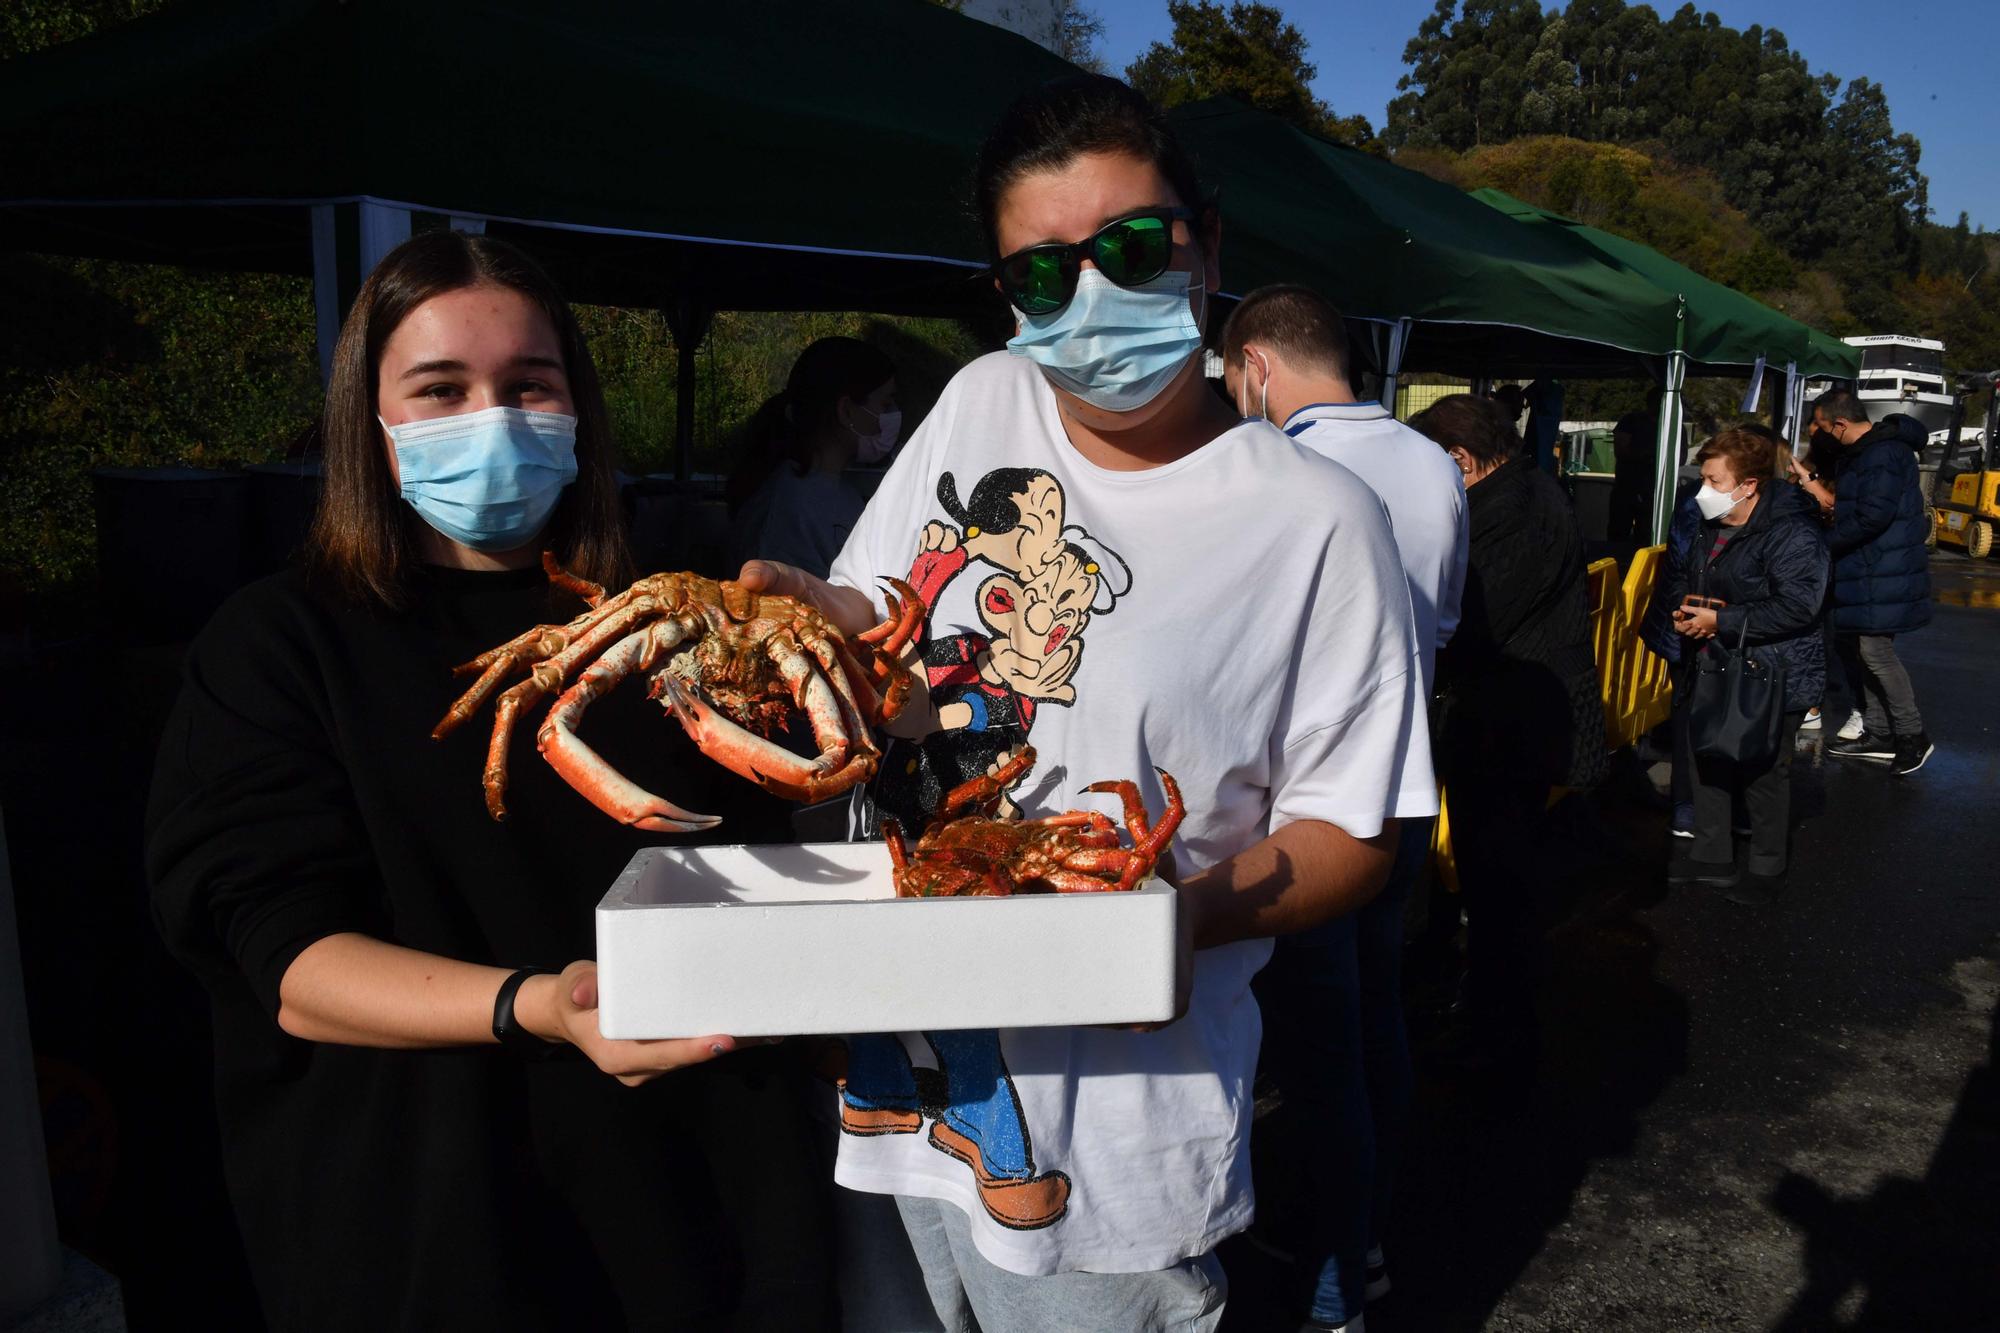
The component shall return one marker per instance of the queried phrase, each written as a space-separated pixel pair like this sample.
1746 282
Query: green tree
1078 31
1246 51
1468 75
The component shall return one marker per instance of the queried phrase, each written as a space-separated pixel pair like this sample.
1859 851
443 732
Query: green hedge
133 365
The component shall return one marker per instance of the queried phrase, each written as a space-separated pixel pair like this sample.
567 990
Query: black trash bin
170 545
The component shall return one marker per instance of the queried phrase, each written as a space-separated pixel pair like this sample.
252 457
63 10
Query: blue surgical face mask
489 479
1114 347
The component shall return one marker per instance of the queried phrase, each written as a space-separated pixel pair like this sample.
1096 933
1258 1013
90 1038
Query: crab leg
599 783
543 641
816 699
591 593
755 758
548 676
1127 791
899 851
852 721
988 786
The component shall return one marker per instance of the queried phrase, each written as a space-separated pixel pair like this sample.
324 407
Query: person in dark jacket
1881 572
1760 555
1522 712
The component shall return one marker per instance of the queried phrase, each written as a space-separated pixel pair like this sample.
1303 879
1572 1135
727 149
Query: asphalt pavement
1784 1118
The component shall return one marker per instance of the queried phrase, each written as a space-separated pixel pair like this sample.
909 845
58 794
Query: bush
135 365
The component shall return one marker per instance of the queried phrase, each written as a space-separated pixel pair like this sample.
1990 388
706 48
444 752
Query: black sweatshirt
299 794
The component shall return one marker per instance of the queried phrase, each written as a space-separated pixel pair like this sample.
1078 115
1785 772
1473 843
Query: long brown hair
364 538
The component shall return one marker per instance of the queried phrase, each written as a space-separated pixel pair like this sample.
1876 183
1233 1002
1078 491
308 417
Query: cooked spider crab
730 664
970 851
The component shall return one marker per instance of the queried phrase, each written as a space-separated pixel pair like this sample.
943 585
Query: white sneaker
1812 720
1851 729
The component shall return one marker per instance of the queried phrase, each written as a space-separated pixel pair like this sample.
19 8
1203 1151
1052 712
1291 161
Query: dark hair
1751 450
1065 119
1841 405
1298 321
992 507
364 538
1477 425
786 428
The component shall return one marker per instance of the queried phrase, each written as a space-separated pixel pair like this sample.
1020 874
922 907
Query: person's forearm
355 990
1303 874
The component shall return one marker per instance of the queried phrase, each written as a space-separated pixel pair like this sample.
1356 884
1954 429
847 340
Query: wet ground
1784 1118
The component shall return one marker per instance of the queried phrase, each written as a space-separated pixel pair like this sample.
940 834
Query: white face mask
1263 391
1714 504
875 447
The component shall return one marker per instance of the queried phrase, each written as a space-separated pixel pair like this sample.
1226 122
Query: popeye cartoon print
1042 579
1048 578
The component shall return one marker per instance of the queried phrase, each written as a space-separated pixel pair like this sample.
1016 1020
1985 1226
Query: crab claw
751 756
581 767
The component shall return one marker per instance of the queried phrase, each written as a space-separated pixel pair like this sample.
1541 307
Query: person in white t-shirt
1334 1036
790 498
1121 572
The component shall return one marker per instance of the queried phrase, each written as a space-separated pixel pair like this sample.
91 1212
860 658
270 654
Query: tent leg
689 324
1399 344
1666 478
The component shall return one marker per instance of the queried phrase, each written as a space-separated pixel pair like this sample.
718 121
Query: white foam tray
791 940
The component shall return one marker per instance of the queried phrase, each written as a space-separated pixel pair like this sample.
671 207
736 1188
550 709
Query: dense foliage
1807 159
1245 51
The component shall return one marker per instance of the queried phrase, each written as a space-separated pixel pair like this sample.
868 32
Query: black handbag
1736 710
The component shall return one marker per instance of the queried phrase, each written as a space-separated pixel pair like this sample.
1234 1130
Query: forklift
1966 497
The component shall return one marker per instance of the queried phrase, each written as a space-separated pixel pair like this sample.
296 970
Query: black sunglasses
1041 279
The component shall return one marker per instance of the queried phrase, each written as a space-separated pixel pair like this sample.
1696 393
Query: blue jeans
979 1097
1335 1041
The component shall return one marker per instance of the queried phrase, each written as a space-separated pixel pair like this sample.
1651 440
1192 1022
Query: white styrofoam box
792 940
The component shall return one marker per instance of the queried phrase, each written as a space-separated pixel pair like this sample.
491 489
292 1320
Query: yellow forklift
1968 513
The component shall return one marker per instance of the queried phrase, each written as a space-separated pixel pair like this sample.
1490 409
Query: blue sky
1938 59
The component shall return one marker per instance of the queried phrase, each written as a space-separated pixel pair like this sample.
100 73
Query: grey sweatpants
973 1296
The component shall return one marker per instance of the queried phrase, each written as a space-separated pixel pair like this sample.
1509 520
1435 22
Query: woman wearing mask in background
1761 554
421 1124
1126 575
1522 713
838 408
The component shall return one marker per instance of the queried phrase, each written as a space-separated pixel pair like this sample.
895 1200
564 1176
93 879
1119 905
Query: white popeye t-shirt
1238 617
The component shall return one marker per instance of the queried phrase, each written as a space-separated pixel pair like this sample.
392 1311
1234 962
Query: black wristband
507 1031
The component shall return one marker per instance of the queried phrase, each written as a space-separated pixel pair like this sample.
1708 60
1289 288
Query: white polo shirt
1425 495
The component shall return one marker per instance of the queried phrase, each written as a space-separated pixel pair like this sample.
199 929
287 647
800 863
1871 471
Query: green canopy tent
674 156
1722 331
1416 256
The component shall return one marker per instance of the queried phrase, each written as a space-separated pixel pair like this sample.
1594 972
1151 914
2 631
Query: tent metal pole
689 325
1399 344
1667 460
326 287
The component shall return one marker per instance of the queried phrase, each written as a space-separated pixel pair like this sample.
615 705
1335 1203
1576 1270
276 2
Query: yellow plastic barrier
1633 682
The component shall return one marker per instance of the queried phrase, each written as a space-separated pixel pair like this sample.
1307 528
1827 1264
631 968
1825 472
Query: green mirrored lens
1035 281
1134 250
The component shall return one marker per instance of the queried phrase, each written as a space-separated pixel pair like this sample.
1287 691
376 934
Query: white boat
1903 374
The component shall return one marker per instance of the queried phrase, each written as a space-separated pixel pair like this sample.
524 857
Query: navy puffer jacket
1656 627
1772 575
1881 571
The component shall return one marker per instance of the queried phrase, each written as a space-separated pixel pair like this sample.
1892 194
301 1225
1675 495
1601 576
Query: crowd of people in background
421 1122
